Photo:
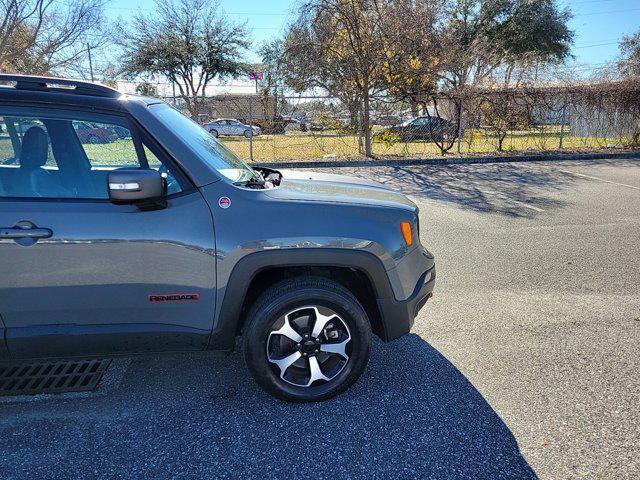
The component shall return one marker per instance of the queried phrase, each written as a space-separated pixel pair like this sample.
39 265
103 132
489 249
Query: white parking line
600 179
505 197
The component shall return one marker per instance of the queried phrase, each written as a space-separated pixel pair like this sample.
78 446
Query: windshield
208 148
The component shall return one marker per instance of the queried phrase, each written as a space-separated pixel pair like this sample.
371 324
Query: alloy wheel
309 346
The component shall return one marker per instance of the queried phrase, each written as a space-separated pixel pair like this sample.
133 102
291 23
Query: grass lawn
310 146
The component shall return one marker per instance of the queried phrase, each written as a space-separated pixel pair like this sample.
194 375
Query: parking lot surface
525 364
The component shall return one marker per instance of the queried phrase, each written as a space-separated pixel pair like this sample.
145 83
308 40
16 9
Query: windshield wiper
256 180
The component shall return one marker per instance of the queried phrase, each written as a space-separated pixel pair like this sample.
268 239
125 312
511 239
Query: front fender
226 325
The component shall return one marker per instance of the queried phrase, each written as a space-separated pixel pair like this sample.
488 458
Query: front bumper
398 316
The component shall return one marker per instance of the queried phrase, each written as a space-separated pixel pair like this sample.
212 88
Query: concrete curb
454 160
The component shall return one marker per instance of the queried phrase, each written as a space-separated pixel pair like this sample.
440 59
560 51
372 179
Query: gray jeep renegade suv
127 228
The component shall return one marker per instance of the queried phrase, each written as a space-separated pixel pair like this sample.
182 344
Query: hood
330 188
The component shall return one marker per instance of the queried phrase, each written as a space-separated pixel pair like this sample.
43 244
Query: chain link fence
302 128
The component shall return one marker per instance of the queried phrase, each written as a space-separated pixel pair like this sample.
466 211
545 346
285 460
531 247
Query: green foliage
147 89
274 74
536 28
386 138
187 41
484 34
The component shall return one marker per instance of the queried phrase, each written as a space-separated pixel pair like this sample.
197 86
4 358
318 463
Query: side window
68 158
173 186
25 155
12 130
110 146
106 147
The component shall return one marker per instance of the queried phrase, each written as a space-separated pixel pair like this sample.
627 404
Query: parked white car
231 126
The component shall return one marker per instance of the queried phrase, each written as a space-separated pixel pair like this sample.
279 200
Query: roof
61 85
62 91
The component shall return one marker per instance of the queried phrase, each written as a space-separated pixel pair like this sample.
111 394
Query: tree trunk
360 123
354 113
501 137
366 123
459 126
415 108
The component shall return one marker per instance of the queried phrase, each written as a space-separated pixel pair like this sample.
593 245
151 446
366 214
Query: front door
81 275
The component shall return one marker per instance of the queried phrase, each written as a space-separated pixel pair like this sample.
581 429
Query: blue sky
598 24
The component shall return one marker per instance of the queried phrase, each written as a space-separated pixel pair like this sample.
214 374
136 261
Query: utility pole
90 63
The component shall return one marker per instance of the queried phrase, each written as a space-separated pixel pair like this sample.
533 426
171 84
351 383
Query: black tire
247 134
297 294
93 139
214 133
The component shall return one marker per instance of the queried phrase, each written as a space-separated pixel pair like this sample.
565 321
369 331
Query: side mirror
135 185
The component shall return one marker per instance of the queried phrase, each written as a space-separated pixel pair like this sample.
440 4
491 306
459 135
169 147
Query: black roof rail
64 85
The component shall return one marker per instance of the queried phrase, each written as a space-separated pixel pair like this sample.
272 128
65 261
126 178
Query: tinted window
67 158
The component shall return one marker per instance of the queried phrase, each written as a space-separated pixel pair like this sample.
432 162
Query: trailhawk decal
174 297
224 202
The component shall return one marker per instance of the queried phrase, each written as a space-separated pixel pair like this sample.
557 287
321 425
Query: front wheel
248 134
307 339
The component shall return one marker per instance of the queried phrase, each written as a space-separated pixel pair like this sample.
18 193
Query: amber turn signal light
405 227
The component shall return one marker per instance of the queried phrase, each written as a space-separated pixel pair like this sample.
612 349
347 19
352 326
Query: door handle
25 233
33 233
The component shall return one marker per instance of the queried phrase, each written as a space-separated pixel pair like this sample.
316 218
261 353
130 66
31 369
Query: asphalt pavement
525 364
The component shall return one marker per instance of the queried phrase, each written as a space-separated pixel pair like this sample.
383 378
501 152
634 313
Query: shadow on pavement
505 188
412 415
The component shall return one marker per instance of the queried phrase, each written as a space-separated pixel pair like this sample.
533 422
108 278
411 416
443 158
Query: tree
308 67
274 79
147 89
43 36
188 42
630 49
482 38
341 46
411 44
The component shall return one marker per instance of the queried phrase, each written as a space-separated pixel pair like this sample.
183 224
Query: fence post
460 120
360 130
562 121
251 129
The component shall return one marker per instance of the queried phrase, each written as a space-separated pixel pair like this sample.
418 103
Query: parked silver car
230 126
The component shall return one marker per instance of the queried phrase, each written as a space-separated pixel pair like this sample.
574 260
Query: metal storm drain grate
51 377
